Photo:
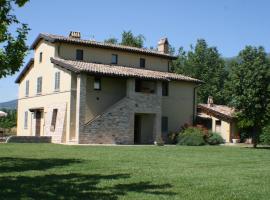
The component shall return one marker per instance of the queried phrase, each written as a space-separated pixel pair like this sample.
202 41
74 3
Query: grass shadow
10 164
75 186
258 148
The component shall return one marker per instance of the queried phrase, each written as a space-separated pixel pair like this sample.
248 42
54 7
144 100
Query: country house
83 91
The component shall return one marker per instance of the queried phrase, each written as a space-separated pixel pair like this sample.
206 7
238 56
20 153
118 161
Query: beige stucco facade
86 115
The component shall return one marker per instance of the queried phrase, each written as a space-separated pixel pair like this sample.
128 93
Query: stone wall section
116 125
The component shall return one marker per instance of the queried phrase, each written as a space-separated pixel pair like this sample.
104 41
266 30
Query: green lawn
47 171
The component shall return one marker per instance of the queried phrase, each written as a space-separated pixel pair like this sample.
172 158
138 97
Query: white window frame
39 85
57 81
27 88
26 120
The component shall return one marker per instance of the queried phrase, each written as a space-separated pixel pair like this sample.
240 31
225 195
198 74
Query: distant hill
9 104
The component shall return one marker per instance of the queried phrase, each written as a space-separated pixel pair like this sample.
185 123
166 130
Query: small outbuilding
218 118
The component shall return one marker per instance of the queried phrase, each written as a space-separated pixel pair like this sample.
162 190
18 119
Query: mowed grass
48 171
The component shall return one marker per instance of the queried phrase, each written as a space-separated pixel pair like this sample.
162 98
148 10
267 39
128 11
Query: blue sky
229 25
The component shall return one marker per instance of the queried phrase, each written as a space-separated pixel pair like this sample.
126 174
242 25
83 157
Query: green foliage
10 121
129 39
265 136
248 89
206 64
172 137
191 136
214 139
13 49
159 141
111 40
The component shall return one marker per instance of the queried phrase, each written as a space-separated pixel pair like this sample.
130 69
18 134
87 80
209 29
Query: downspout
194 102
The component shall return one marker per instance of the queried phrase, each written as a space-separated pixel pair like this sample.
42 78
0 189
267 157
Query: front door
38 122
137 130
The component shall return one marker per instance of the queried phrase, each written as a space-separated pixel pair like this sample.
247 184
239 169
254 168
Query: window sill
57 91
38 94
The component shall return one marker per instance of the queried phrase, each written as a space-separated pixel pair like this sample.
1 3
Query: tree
111 40
206 64
129 39
10 120
13 49
248 87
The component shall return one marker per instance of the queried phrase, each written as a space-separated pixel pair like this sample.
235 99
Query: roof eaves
65 65
55 38
25 69
40 37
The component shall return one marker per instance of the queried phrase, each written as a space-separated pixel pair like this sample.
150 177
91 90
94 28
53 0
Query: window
97 83
39 85
27 88
25 120
79 54
54 117
165 88
142 63
57 81
164 124
114 58
218 122
169 66
40 57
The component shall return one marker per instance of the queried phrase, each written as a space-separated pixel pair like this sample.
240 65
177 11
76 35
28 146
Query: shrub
191 136
172 137
159 141
265 136
215 139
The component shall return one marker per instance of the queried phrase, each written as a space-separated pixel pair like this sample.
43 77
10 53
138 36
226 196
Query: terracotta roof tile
120 71
58 38
218 110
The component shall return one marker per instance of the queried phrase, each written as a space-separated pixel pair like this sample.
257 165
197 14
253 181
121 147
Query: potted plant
236 138
159 141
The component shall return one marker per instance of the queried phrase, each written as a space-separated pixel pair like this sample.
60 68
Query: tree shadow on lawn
75 186
259 148
10 164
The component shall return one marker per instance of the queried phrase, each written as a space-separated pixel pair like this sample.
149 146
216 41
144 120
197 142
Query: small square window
79 54
165 88
114 58
142 63
218 122
40 57
97 83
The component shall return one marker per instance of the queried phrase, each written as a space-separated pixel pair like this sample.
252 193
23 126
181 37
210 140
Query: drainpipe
194 102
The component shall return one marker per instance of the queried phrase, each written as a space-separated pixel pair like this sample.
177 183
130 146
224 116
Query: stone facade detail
116 124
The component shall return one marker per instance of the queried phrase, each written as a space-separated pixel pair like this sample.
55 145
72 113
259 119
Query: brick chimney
163 45
210 101
74 34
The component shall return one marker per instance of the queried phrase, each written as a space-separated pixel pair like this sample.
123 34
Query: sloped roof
218 111
58 38
25 69
119 71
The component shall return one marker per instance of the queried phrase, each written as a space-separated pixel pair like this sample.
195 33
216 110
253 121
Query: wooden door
38 122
